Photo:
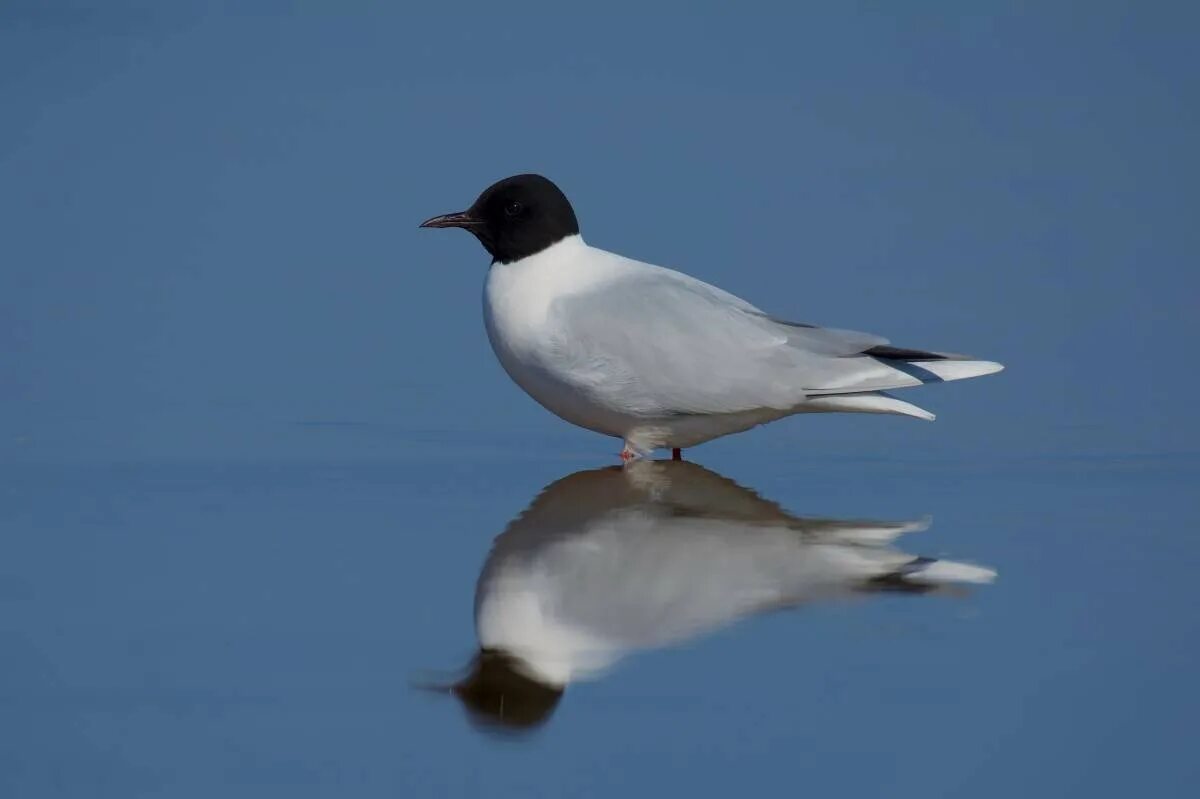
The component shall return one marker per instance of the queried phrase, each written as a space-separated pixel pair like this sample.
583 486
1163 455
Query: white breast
517 296
516 302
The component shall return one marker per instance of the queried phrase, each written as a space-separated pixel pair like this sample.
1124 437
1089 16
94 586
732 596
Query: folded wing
662 343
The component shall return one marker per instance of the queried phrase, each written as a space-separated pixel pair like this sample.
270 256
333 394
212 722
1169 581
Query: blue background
254 443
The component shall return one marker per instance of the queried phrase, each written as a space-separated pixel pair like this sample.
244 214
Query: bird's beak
462 219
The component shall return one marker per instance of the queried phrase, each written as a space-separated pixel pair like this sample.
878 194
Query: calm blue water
183 629
254 449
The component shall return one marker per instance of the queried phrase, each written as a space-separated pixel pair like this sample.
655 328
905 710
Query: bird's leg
676 454
628 453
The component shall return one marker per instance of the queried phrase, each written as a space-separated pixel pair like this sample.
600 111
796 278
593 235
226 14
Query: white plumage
661 359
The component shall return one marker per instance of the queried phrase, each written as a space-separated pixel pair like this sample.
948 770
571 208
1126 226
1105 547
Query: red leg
677 454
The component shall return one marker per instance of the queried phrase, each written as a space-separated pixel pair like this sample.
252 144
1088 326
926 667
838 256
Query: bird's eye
513 208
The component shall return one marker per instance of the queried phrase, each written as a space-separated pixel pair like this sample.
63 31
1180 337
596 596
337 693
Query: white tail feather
866 403
960 370
939 572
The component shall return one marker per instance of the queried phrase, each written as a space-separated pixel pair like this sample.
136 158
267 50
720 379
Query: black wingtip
904 354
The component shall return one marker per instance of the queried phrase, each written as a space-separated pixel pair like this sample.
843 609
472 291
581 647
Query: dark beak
462 219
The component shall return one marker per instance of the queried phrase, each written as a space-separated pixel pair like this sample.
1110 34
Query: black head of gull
515 218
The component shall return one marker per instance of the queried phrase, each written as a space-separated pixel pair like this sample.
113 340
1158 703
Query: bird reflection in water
610 561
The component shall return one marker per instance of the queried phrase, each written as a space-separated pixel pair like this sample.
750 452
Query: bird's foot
632 453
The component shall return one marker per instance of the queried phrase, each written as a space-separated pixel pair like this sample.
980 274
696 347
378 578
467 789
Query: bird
656 357
607 562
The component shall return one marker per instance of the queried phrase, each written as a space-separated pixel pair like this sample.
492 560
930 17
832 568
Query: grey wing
813 338
657 342
829 340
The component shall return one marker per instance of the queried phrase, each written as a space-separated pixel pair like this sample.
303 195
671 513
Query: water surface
179 629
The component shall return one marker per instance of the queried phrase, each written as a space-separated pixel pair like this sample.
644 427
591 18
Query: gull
653 356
